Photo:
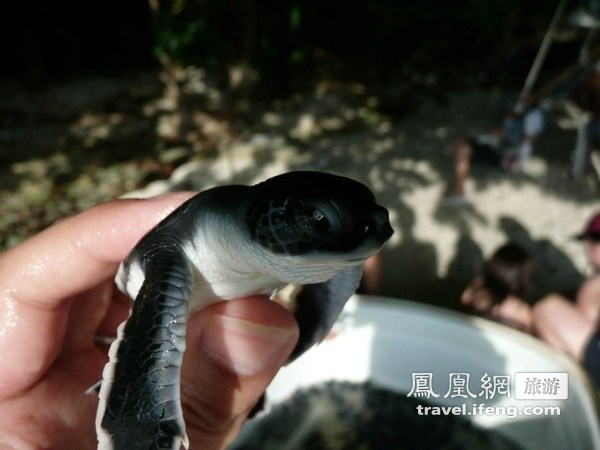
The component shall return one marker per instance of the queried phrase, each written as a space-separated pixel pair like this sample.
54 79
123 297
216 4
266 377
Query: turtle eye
316 219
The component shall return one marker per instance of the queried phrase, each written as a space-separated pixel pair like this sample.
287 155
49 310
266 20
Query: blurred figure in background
586 113
501 292
371 277
572 327
507 147
587 97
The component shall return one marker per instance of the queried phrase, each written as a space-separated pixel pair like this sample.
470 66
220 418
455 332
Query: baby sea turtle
309 228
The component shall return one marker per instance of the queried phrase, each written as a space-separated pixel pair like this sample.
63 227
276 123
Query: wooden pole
540 57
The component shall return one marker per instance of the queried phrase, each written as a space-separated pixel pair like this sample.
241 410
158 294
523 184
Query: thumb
234 350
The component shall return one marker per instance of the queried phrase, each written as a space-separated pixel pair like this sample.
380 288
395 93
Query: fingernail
247 348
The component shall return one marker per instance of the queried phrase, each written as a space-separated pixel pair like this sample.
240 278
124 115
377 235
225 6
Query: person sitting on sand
501 292
508 148
573 327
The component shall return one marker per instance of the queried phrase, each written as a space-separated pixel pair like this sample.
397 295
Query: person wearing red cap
573 327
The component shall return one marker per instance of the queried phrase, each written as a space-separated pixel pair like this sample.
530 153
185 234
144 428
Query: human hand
57 294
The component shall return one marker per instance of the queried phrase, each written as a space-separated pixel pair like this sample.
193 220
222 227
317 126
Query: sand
436 249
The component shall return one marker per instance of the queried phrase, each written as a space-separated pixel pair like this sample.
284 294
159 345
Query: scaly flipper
319 305
140 407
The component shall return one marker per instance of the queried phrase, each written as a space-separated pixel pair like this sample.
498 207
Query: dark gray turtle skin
309 228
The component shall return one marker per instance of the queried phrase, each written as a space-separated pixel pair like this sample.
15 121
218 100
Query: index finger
39 276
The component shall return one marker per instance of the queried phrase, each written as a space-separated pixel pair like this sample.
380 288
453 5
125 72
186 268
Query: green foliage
295 16
284 40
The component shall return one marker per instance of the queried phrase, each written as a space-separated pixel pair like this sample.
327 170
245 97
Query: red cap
592 229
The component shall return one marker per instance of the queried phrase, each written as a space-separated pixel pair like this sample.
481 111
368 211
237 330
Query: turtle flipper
139 398
317 308
319 305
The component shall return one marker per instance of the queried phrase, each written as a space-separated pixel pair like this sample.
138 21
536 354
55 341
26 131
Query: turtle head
317 214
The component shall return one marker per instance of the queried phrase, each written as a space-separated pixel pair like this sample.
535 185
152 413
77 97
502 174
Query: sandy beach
436 249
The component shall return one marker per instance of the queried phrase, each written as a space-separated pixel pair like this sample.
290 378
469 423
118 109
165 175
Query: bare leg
461 152
371 275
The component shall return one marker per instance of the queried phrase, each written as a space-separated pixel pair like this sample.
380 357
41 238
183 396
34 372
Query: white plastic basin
386 341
